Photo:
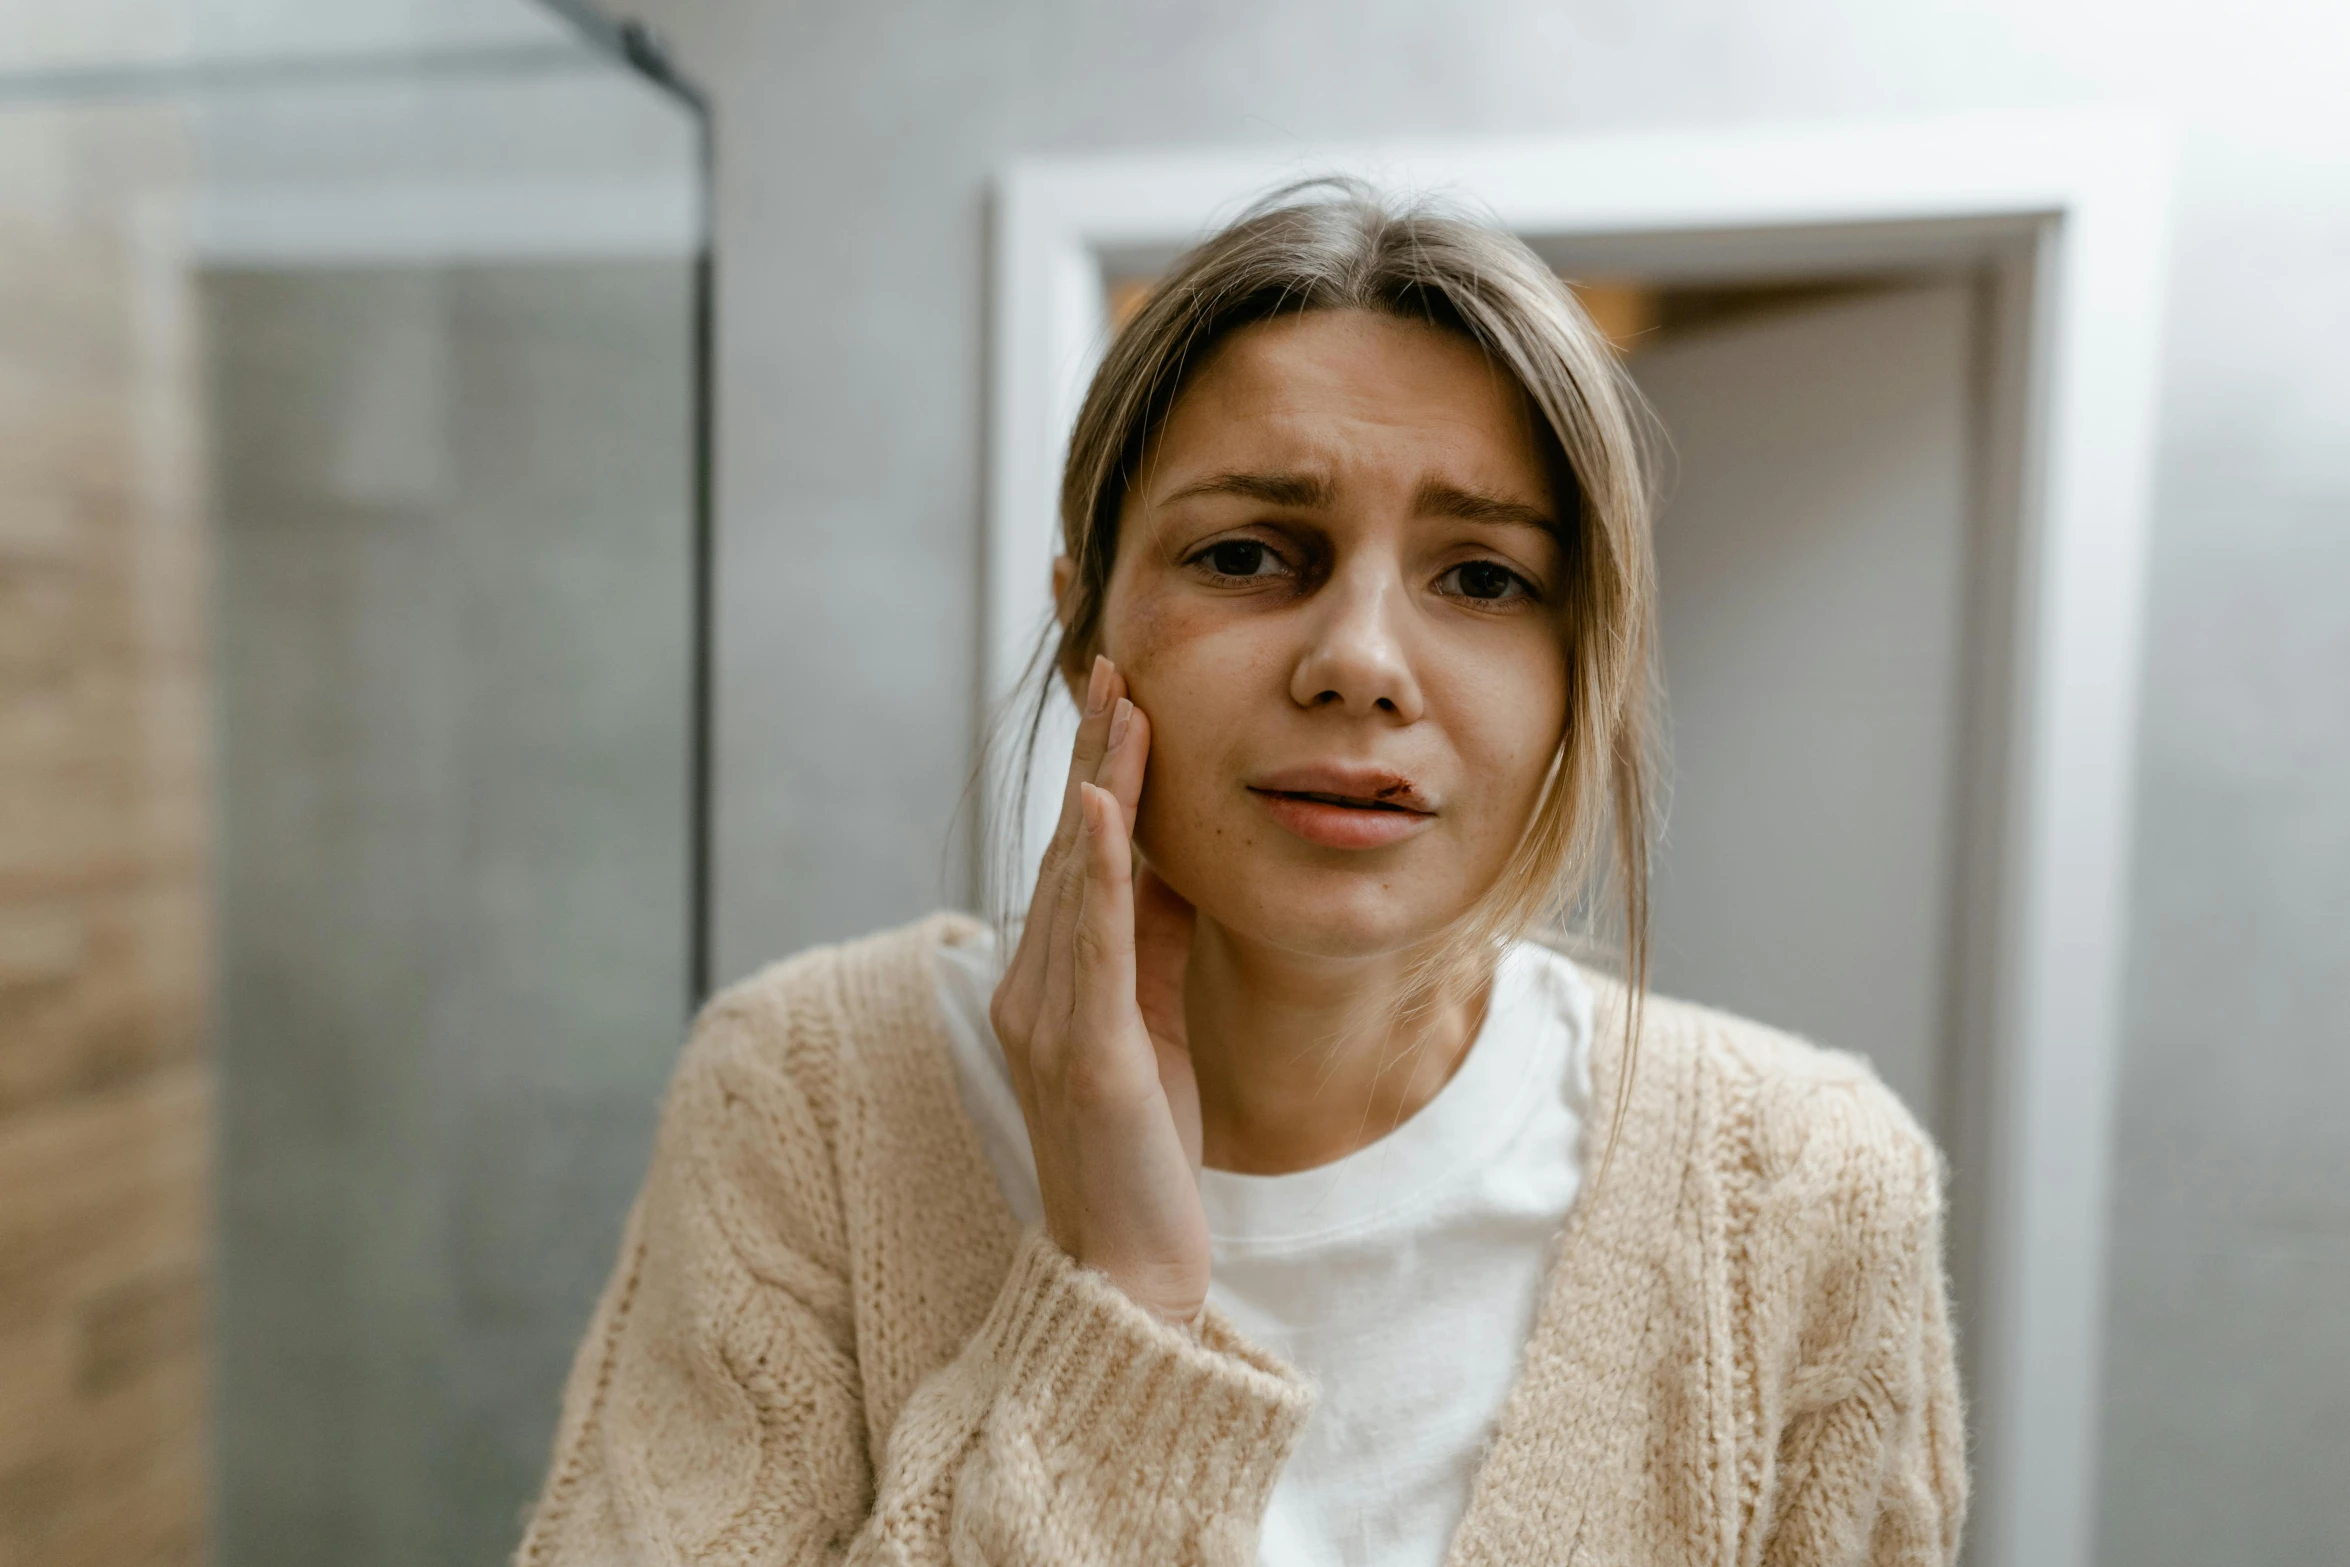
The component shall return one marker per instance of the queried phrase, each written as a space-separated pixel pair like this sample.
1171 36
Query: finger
1104 687
1127 748
1126 743
1125 758
1057 958
1024 974
1103 943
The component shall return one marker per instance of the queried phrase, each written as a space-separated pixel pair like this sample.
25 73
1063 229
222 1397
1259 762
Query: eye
1239 558
1484 580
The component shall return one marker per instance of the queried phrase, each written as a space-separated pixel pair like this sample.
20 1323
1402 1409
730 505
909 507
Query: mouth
1345 808
1350 801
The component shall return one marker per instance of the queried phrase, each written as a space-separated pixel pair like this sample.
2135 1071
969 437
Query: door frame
2062 219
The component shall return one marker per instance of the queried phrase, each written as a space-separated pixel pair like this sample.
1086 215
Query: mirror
356 535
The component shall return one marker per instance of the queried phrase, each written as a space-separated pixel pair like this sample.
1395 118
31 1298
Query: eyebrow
1435 498
1274 489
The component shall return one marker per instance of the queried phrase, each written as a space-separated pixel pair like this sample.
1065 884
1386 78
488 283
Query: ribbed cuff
1194 1423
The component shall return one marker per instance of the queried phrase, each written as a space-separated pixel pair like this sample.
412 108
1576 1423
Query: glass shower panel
449 382
451 464
354 364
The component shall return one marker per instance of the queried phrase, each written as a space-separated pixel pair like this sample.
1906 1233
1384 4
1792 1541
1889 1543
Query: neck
1301 1060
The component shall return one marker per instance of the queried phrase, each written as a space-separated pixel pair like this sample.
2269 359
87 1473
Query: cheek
1509 716
1188 664
1147 629
1203 678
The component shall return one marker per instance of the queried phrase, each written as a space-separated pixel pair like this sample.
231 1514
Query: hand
1090 1017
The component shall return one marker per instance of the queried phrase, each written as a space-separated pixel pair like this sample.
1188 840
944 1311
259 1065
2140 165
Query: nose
1355 658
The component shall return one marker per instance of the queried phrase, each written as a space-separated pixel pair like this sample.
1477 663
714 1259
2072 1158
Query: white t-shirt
1403 1279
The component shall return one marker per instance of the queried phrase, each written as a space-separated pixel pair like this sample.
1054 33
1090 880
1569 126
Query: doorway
1811 561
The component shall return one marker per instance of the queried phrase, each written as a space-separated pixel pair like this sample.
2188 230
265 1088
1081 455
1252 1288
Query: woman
1271 1196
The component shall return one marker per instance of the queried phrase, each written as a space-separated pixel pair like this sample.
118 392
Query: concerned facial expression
1338 593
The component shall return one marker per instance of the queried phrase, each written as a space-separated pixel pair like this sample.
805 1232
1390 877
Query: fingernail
1118 722
1086 812
1097 690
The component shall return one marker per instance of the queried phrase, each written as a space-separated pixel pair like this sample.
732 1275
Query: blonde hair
1336 244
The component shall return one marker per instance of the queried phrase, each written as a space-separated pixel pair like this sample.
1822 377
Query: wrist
1178 1303
1177 1308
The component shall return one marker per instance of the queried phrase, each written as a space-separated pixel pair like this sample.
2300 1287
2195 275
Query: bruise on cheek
1151 621
1193 684
1132 636
1150 631
1134 630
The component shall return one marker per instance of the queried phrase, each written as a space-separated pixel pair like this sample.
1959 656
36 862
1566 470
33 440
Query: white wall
856 141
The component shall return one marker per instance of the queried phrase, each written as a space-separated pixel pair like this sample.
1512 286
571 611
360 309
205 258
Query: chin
1270 889
1318 911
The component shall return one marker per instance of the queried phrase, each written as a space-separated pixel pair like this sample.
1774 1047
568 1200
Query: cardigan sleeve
1871 1463
715 1411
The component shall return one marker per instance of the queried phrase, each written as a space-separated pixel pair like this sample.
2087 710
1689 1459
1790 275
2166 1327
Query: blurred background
474 571
349 357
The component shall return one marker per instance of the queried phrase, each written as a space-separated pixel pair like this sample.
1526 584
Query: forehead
1345 390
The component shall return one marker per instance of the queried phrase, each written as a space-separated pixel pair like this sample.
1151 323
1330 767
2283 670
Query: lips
1344 806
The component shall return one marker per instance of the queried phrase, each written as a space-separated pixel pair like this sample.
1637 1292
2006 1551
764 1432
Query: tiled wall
105 1086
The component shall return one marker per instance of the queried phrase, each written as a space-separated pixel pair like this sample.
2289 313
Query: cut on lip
1349 785
1353 802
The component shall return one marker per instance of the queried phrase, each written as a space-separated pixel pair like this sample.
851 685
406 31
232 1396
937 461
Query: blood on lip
1341 821
1351 802
1349 786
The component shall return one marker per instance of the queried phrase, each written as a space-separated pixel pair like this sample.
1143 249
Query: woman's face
1338 595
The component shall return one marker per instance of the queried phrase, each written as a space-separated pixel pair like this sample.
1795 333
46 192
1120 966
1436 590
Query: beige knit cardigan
827 1340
